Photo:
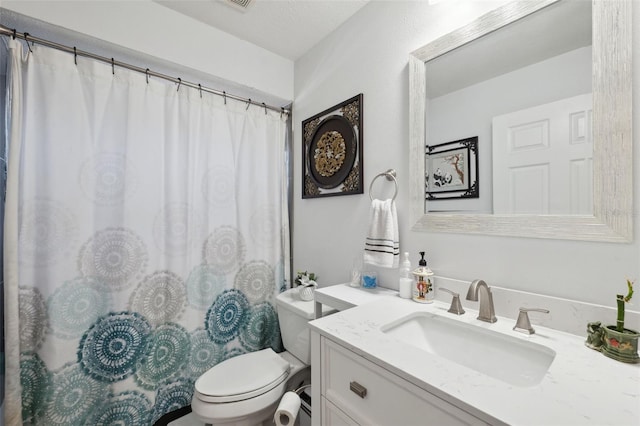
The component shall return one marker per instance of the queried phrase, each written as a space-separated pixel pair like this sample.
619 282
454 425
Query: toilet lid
243 377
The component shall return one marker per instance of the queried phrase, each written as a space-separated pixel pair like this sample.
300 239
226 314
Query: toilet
246 390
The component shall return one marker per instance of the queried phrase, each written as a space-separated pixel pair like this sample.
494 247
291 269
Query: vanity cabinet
354 391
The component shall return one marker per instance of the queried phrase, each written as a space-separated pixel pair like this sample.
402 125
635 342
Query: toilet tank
293 316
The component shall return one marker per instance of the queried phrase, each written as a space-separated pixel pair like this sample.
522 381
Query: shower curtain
145 232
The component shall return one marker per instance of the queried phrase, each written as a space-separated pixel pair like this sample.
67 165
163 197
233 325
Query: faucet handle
456 306
523 325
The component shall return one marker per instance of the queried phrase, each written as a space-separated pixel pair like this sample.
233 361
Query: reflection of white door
542 159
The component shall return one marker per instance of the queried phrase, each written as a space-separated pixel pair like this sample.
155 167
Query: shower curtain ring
26 38
179 83
200 88
224 96
248 103
75 55
265 108
147 75
14 33
113 66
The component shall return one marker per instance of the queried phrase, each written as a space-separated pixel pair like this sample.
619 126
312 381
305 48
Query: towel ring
391 176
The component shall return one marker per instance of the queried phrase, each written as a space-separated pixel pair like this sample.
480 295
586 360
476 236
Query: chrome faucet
486 311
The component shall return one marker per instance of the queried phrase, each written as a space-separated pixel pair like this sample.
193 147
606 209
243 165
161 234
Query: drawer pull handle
358 389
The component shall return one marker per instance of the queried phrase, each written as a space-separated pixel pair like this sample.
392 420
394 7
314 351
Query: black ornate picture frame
452 170
332 151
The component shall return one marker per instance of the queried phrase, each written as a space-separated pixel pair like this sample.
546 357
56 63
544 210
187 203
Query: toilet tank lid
290 300
243 375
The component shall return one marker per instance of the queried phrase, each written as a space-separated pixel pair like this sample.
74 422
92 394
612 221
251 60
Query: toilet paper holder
287 410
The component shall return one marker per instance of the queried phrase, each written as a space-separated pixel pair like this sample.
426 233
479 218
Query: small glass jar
369 279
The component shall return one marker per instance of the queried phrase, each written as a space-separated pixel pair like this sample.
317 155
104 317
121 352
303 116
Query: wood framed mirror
612 214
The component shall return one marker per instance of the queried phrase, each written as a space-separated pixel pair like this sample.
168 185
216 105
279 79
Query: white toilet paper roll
287 410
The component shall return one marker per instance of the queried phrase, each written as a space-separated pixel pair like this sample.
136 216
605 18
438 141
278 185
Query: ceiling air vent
239 4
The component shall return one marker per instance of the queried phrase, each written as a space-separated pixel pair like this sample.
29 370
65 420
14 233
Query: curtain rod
77 52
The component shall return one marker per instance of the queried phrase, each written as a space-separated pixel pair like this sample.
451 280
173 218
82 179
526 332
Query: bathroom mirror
609 216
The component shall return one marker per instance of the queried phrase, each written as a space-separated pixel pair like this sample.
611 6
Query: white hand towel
382 245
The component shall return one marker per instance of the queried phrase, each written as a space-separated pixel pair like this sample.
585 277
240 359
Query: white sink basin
506 358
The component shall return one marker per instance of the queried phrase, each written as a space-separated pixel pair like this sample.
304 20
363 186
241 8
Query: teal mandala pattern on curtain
114 256
165 357
204 284
131 408
256 281
218 186
204 354
48 231
175 227
173 396
226 316
75 398
261 328
76 305
233 352
33 318
35 380
110 349
225 249
160 297
108 179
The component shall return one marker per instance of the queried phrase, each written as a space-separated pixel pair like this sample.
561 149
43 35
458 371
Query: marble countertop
581 387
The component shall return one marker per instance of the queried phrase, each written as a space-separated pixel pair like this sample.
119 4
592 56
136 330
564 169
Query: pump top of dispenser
422 268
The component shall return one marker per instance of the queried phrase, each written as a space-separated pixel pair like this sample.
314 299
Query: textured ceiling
288 28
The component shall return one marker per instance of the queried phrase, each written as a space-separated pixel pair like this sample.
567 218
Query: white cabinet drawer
389 399
334 416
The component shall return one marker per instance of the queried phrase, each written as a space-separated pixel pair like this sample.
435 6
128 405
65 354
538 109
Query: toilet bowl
245 390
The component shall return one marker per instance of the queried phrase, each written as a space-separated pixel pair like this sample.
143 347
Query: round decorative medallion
331 152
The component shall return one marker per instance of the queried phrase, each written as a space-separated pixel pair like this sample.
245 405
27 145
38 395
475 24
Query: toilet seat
243 377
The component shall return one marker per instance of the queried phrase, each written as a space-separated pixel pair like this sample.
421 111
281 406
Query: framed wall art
332 151
452 170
